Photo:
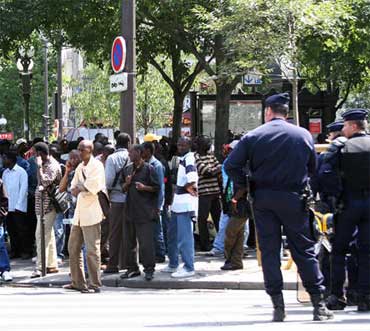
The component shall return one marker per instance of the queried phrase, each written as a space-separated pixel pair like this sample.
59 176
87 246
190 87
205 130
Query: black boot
352 298
335 303
320 312
279 308
363 303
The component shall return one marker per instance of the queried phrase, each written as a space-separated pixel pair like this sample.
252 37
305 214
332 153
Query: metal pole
26 86
59 91
46 90
42 231
128 98
27 110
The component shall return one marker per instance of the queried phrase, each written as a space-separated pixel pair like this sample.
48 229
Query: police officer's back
281 156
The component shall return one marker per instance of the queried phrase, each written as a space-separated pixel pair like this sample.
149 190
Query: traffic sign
118 82
252 79
118 54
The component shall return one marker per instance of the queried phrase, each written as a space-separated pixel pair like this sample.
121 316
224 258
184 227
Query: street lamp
3 123
25 66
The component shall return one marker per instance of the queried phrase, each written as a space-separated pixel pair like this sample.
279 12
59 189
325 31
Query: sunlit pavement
129 309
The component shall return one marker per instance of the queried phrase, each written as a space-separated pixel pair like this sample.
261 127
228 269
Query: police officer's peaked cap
281 98
357 114
335 126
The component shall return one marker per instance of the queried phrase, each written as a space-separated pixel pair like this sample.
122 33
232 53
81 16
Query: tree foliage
93 100
325 41
339 63
94 103
154 105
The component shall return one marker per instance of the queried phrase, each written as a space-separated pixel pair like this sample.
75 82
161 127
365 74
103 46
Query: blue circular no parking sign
118 54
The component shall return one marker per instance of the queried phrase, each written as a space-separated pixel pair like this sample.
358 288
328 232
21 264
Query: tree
339 64
159 45
154 106
287 26
91 25
214 28
94 102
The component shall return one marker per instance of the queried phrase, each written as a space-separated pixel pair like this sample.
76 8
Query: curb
140 283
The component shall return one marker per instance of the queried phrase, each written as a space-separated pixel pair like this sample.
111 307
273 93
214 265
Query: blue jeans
181 240
160 249
4 258
60 234
218 243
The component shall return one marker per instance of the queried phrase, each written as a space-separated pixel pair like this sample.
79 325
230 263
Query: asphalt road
126 309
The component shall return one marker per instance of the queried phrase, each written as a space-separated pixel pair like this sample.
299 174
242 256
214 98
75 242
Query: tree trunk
177 115
295 97
223 96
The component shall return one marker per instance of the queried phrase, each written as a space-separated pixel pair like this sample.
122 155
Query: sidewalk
208 276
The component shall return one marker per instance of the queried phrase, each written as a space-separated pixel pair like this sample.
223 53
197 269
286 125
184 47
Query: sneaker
91 290
36 274
130 274
183 273
215 252
6 276
169 270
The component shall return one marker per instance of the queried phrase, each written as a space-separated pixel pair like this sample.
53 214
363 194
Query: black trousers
32 220
104 241
208 204
142 234
116 248
19 230
274 209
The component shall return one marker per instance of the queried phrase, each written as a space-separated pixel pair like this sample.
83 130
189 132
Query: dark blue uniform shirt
281 156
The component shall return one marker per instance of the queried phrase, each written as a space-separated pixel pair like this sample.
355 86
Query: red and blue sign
118 54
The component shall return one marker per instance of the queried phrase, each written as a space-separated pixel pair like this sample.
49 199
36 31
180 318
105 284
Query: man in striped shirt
209 170
184 209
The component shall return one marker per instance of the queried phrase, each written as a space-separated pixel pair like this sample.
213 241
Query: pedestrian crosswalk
122 309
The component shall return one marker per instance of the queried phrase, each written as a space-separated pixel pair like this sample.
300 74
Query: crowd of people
140 203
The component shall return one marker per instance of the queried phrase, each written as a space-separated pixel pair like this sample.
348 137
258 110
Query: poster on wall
315 125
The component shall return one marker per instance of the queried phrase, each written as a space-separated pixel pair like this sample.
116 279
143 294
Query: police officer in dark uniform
327 183
354 165
327 180
280 157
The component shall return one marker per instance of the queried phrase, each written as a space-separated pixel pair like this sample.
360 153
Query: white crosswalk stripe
119 309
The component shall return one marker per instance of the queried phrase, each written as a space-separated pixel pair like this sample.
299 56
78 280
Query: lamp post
3 123
25 65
